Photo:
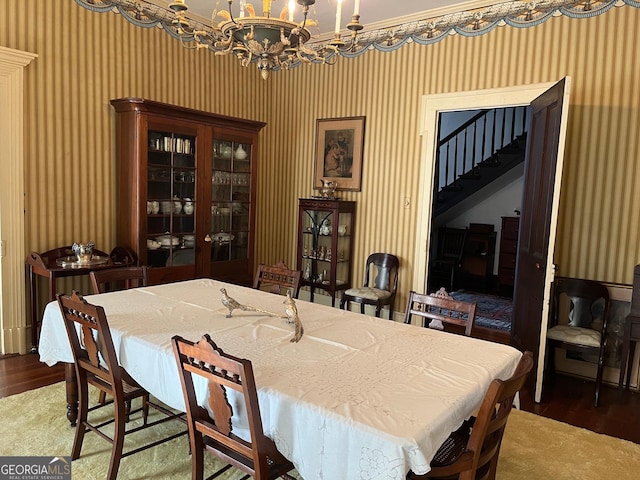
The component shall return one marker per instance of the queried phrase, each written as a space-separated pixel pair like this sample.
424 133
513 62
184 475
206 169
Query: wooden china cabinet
325 244
186 190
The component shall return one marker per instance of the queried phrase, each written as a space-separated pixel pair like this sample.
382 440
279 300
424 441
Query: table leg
72 393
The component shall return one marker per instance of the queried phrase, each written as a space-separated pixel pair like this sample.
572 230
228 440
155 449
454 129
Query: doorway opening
435 112
478 181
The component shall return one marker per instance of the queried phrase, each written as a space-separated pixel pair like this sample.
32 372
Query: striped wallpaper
85 59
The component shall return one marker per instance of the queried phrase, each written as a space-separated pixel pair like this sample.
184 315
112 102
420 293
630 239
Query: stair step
472 175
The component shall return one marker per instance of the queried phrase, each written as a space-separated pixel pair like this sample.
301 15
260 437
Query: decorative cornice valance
468 23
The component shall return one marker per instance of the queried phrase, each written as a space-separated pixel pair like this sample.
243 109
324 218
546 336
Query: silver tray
72 261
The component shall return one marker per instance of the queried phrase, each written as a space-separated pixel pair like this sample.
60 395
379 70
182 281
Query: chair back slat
383 269
114 278
586 303
277 279
458 315
96 353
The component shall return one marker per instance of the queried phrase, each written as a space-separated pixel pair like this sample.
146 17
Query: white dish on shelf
189 240
153 244
168 240
222 237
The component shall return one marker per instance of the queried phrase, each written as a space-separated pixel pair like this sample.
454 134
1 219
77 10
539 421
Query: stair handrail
451 165
464 126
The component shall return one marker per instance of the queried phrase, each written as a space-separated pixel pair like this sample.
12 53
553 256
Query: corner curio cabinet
325 244
186 190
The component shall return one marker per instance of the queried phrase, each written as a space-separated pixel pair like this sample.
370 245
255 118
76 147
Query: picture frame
338 153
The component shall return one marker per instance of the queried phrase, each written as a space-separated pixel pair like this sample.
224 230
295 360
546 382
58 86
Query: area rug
534 448
492 311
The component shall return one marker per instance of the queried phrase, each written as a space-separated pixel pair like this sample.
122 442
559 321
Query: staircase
477 153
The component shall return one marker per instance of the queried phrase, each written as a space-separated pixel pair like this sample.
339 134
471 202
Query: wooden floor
565 399
19 373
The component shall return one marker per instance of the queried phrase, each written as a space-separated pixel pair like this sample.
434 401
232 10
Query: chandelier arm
231 12
186 45
305 11
245 61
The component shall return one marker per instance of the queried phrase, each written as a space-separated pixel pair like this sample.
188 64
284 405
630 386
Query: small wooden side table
631 331
57 263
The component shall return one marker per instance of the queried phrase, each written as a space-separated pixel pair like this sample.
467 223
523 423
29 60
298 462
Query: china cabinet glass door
317 251
171 198
230 200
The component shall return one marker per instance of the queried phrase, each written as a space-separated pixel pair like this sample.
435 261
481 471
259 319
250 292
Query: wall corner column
14 329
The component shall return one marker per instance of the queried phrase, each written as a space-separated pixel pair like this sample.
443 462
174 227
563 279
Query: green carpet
34 423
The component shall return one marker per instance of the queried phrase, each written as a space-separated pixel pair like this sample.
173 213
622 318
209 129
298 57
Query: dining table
357 397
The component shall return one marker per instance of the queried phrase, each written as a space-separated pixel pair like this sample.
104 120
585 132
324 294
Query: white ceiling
373 13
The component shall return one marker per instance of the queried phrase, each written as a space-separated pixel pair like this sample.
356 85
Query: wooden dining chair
277 279
115 278
442 311
471 452
96 364
447 263
379 286
579 317
257 457
123 255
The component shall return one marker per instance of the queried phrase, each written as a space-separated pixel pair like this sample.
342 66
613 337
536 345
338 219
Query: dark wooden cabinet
325 244
186 190
508 251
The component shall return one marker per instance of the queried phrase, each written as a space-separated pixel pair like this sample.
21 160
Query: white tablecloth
357 398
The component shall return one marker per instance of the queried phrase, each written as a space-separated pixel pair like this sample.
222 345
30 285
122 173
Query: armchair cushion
574 335
369 293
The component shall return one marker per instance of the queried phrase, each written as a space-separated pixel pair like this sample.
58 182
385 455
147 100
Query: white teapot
177 205
188 206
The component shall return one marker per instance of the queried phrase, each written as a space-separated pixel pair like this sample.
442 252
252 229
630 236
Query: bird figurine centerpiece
232 304
291 310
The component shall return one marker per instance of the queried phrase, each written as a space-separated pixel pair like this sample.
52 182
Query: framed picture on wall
338 156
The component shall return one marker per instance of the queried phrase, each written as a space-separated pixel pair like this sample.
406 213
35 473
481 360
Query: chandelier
271 42
274 43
